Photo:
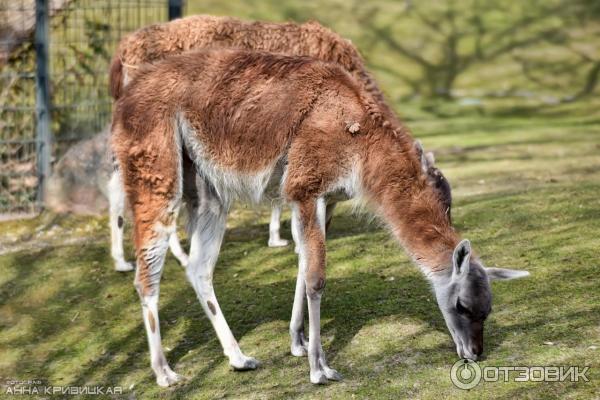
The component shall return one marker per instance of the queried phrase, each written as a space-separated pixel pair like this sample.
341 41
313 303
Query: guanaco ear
418 147
461 259
430 158
502 274
421 154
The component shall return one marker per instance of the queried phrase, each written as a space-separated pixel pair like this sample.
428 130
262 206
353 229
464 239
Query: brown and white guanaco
255 124
158 41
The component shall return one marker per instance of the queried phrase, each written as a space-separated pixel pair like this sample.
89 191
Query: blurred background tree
458 36
573 62
537 51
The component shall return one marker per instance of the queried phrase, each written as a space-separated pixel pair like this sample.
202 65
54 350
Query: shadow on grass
249 298
350 302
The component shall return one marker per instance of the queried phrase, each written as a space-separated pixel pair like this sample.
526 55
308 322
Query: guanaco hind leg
154 223
207 227
116 198
117 221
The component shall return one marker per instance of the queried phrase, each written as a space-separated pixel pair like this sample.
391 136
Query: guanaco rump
158 41
254 125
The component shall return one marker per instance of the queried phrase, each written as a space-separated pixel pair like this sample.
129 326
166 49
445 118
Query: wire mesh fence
82 36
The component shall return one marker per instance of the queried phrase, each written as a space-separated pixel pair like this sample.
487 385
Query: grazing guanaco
158 41
254 125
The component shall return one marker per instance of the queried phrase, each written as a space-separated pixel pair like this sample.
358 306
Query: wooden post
42 99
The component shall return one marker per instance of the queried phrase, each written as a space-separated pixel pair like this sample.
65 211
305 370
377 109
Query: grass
526 194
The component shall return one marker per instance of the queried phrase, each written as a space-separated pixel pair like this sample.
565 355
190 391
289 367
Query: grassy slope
526 194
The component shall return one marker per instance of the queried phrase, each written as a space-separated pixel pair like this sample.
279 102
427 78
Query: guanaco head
465 298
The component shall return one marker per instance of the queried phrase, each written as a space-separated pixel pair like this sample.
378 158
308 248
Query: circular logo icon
465 374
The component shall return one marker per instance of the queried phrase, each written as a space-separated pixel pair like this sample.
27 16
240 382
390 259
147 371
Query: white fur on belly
229 185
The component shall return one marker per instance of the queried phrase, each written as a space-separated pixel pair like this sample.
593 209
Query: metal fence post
42 99
175 9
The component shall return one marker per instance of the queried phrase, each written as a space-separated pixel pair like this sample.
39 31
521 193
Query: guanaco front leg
175 247
299 343
310 231
275 239
329 214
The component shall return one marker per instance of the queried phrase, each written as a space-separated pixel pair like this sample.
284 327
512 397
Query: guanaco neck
393 180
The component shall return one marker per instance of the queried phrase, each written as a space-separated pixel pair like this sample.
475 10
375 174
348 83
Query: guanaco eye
461 309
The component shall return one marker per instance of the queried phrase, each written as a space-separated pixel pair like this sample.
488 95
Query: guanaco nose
477 349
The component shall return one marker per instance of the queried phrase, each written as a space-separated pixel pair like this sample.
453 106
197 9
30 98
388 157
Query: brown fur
249 110
152 321
158 41
442 186
315 240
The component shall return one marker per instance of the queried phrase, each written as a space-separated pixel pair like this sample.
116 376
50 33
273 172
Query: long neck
394 182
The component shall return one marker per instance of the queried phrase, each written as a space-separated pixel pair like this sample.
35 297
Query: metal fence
54 58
